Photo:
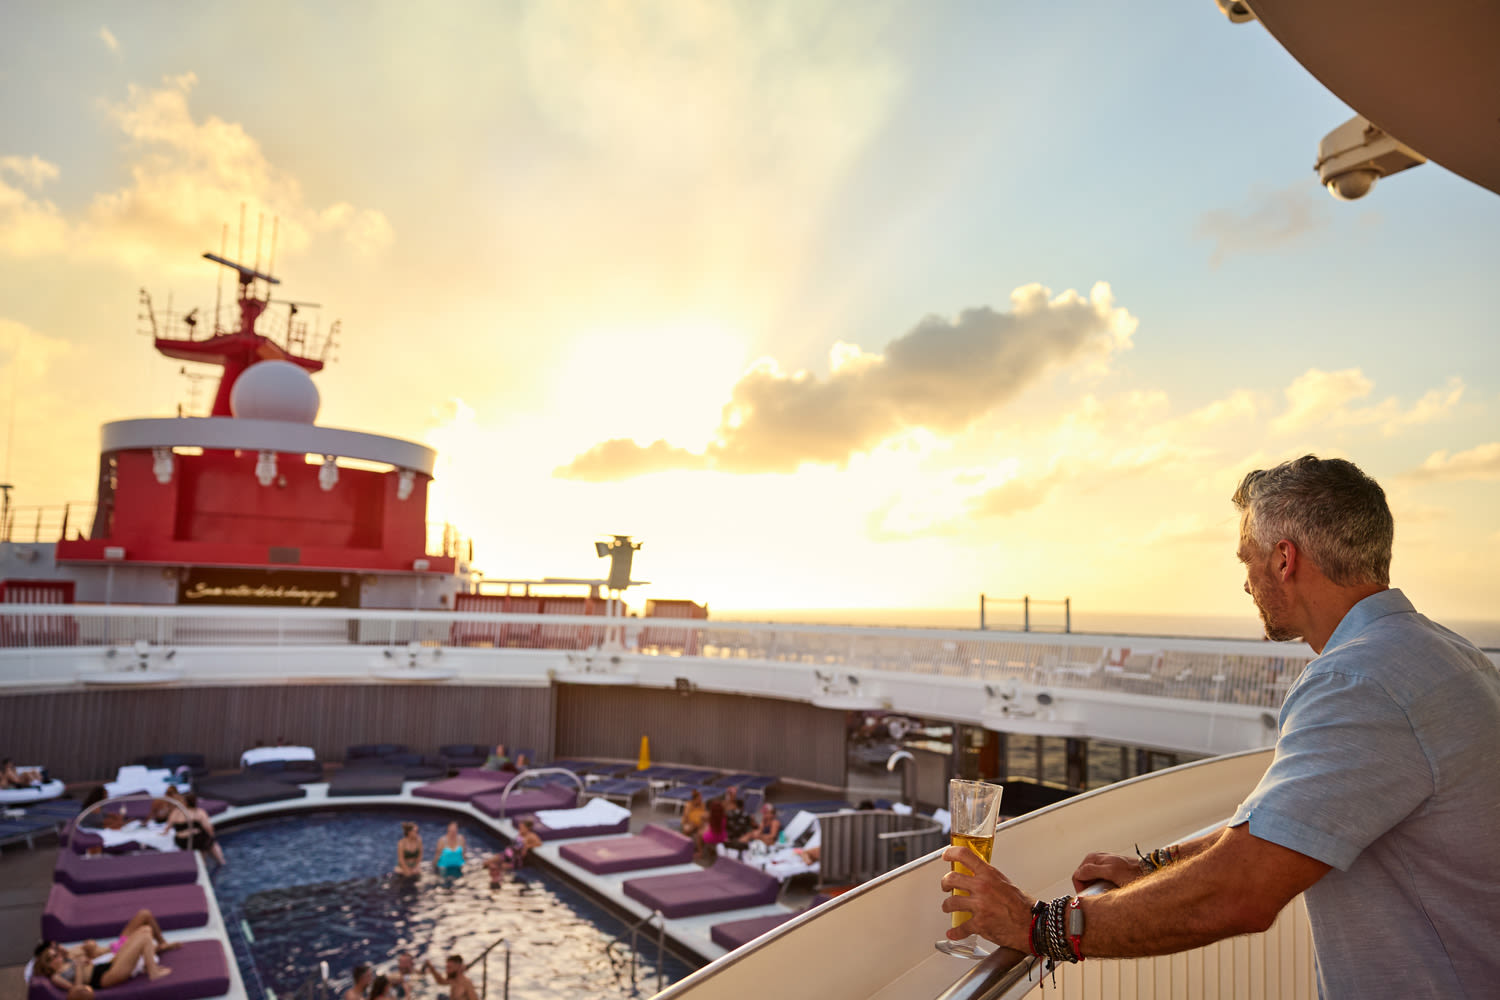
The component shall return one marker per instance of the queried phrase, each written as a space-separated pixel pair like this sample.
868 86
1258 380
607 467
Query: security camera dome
275 390
1353 184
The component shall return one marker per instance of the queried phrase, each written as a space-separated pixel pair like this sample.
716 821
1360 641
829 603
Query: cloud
1481 462
941 376
622 458
1016 495
1193 529
1321 399
110 41
187 177
1274 219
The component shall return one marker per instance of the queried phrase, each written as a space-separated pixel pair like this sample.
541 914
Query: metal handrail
483 961
998 975
532 773
634 930
315 986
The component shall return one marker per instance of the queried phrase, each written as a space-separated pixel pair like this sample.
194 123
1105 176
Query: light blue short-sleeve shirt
1387 767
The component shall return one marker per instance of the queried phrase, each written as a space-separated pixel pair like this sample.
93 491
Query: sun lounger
366 781
464 754
368 751
595 818
134 836
412 766
526 800
292 772
735 933
469 783
747 782
243 790
618 789
728 885
70 916
196 763
128 871
26 830
654 847
34 793
678 797
786 809
200 969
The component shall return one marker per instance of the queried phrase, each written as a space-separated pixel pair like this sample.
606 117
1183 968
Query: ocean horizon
1049 618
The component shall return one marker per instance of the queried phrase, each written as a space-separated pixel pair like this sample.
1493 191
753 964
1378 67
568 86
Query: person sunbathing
513 856
409 851
10 777
695 818
88 968
769 827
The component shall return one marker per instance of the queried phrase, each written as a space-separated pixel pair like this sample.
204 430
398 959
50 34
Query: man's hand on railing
1116 869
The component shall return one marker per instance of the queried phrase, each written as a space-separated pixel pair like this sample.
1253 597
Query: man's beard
1276 631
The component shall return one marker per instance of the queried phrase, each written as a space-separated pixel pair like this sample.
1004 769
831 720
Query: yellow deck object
645 754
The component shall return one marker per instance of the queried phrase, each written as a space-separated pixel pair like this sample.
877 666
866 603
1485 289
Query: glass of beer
975 806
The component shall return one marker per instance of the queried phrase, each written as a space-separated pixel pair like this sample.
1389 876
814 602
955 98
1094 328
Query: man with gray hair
1381 803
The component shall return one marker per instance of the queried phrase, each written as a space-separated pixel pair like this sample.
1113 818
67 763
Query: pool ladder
483 961
634 932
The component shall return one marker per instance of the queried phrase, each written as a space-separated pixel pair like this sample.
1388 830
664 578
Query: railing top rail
481 956
709 627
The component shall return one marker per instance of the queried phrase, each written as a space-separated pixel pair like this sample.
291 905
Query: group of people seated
448 855
91 966
12 777
500 760
724 821
179 811
400 982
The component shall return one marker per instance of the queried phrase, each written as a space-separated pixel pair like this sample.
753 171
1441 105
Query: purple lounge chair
247 790
129 871
199 969
366 781
471 781
728 885
526 800
654 847
735 933
73 917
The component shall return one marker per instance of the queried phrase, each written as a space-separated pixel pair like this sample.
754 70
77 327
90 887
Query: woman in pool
409 851
513 856
93 968
449 859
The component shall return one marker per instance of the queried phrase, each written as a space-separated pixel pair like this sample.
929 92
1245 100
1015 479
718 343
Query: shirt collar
1364 614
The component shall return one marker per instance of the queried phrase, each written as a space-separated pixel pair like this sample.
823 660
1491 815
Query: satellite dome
275 390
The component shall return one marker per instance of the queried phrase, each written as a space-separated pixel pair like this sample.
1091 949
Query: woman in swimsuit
197 831
449 859
97 969
715 832
409 851
515 855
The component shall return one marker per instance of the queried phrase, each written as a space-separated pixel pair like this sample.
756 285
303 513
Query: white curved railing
876 941
1215 670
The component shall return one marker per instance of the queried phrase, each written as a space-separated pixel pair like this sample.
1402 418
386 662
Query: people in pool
380 989
453 977
400 977
513 856
449 856
409 851
361 976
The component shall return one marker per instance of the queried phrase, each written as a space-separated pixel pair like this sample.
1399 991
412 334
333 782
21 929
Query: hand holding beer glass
975 806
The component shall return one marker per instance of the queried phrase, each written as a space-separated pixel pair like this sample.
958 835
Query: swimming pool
313 887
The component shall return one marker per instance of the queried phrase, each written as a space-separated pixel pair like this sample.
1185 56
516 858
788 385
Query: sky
831 305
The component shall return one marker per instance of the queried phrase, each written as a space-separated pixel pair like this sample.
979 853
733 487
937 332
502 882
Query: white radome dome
275 390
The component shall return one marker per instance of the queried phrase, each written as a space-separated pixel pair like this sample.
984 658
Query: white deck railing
876 940
1235 672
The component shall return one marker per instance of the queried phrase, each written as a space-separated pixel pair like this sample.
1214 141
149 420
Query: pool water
317 887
